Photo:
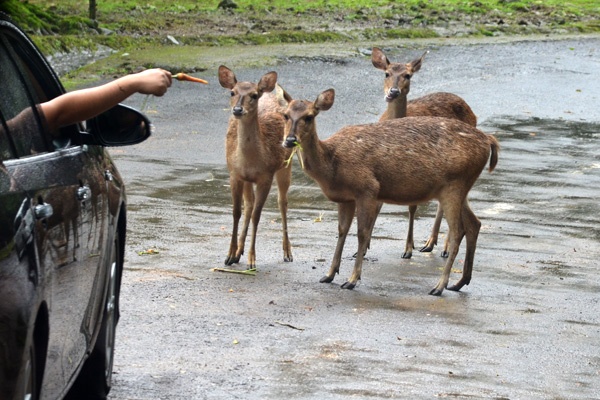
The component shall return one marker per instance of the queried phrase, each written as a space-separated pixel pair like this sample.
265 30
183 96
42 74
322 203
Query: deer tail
495 146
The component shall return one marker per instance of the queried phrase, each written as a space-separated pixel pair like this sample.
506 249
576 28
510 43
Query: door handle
84 193
43 211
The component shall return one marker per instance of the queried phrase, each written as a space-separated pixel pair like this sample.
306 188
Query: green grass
106 6
110 11
133 17
141 27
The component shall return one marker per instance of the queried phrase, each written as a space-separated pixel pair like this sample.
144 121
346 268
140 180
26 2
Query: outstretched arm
80 105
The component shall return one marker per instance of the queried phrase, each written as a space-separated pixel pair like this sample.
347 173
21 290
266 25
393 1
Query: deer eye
232 93
308 119
407 76
254 96
286 117
387 74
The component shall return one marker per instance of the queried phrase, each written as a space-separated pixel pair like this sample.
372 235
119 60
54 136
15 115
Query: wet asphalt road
528 325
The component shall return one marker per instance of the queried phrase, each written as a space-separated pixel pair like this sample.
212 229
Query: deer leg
345 216
284 179
438 222
471 226
435 231
455 235
444 253
262 191
379 206
248 207
236 197
410 242
367 212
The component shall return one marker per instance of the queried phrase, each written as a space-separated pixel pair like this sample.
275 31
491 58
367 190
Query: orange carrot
185 77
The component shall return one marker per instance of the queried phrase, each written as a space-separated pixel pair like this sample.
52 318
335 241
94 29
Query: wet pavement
528 325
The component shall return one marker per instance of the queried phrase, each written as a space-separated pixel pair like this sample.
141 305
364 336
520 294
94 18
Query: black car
62 232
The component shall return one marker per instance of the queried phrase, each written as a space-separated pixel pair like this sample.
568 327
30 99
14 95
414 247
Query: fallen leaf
148 252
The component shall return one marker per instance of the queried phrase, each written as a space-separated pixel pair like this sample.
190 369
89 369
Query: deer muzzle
290 142
237 111
392 94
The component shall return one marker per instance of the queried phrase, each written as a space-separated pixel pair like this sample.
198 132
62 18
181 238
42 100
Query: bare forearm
84 104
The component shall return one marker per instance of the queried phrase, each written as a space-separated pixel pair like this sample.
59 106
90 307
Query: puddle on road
549 172
208 185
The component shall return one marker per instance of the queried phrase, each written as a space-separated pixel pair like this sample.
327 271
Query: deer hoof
326 279
444 254
454 288
232 260
426 249
348 286
436 292
407 254
288 259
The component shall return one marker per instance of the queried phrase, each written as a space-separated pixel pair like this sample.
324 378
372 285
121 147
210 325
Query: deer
255 157
396 87
405 161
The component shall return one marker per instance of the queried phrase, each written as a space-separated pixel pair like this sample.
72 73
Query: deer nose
237 111
290 141
394 92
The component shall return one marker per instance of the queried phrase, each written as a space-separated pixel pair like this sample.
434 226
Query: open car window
21 127
26 83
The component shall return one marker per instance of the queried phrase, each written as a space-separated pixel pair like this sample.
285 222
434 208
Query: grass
133 16
142 27
107 6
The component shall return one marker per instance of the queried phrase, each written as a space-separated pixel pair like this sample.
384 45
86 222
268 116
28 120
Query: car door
63 204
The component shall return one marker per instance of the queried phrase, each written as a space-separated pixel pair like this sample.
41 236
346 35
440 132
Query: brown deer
403 161
254 157
396 86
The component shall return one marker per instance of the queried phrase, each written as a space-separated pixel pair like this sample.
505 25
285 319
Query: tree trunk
93 10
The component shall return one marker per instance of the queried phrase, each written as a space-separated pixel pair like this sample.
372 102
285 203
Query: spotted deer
254 157
396 86
403 161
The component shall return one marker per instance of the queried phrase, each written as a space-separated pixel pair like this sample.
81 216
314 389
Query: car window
21 122
25 84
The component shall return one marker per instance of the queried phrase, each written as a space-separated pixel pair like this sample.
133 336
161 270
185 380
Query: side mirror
119 126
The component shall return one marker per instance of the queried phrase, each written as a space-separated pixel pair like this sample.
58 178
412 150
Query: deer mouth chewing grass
296 150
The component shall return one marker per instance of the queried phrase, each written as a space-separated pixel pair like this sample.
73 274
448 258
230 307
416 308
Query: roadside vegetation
133 27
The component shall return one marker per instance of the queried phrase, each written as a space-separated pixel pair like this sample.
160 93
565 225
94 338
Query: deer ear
379 60
226 77
267 82
415 64
283 97
325 100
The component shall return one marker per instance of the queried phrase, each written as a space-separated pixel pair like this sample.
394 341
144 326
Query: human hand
153 81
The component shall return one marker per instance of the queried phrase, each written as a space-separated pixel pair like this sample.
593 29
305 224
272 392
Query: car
63 215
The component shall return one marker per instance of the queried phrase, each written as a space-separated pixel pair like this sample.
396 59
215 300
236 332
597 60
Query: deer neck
249 139
316 158
396 108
